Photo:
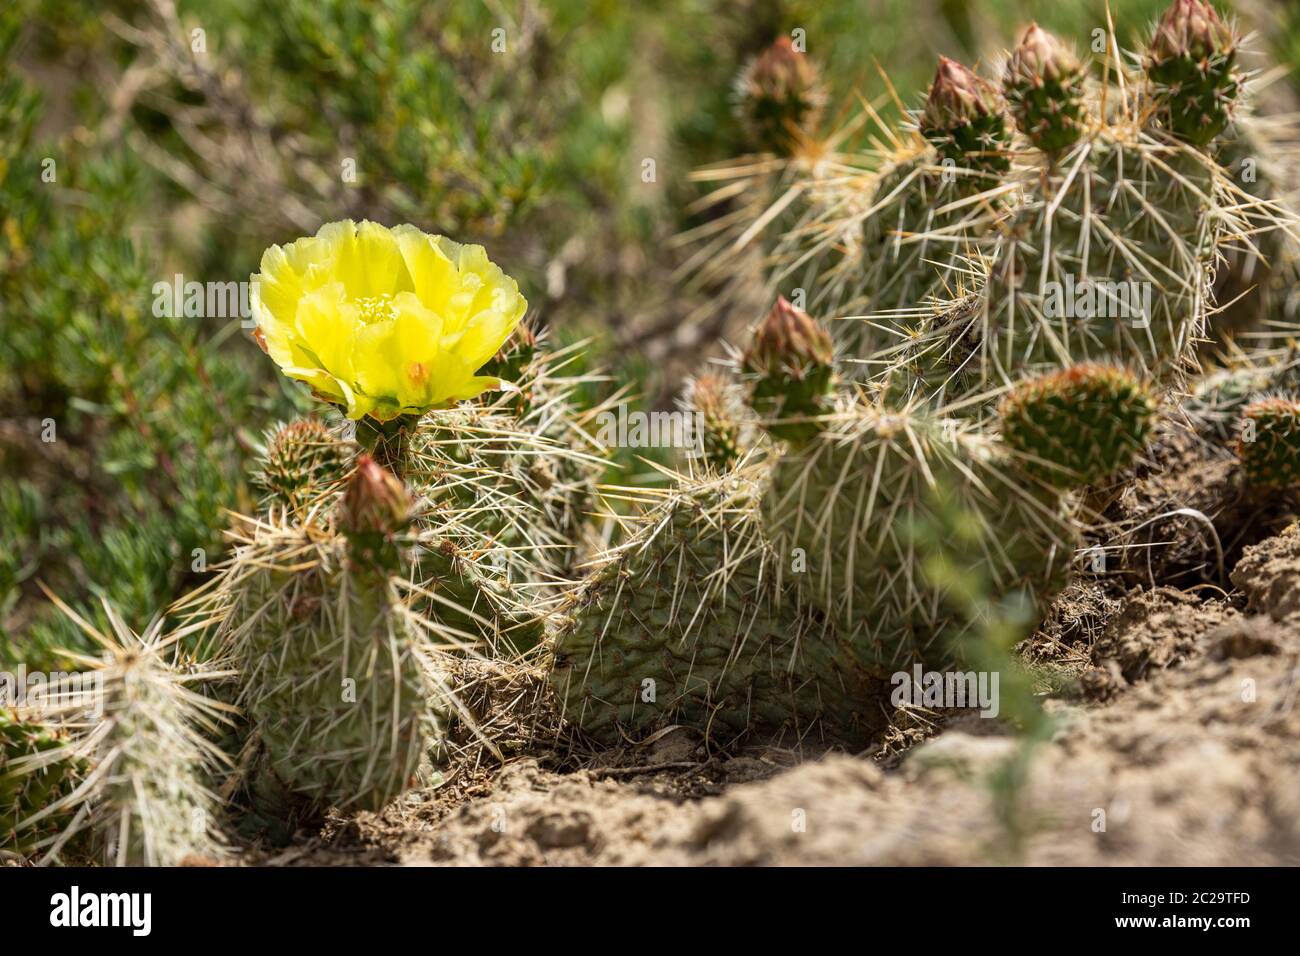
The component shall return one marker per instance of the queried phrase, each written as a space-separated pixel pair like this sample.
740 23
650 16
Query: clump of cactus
1269 447
999 406
773 590
1108 255
1088 233
779 596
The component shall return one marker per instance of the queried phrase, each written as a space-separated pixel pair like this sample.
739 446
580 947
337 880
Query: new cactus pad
723 419
302 462
1108 257
1269 447
1076 426
1044 87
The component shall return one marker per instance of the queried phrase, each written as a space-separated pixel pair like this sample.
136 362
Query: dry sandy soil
1177 742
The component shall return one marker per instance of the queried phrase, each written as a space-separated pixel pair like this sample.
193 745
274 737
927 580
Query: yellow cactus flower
384 322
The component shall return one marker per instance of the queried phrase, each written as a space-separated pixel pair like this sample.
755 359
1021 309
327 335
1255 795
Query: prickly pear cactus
1076 426
38 770
845 503
336 678
681 624
1269 447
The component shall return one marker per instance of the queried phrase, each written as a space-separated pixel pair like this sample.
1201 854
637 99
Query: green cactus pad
1107 260
1076 426
333 679
1269 447
37 769
302 464
680 625
850 501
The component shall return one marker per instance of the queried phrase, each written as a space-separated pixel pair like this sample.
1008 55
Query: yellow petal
326 326
433 273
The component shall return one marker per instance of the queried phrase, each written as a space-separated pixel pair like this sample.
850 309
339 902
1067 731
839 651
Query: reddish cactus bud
793 360
1191 71
780 93
1043 84
964 122
375 501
